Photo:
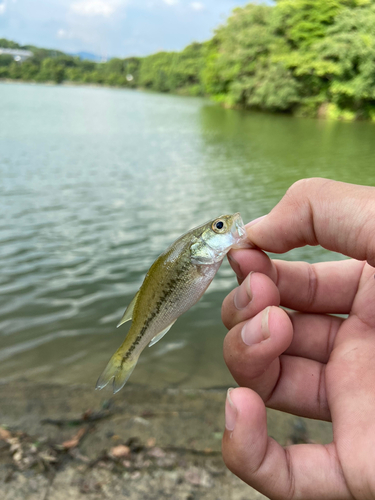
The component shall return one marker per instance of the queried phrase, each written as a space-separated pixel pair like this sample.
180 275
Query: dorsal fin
128 314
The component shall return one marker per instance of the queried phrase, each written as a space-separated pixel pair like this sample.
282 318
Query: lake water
95 183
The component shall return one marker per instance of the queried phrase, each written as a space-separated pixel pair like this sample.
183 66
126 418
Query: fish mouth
239 232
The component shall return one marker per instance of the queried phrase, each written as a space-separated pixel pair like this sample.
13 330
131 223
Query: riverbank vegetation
307 57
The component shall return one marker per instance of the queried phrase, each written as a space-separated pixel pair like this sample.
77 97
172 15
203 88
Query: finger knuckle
299 191
306 185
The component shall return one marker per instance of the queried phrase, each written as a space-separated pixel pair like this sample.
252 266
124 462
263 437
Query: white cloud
171 2
94 7
197 6
4 4
64 34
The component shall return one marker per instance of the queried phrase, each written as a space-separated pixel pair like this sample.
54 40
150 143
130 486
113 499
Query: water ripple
91 199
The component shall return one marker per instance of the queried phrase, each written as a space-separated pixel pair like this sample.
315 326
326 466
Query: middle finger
324 287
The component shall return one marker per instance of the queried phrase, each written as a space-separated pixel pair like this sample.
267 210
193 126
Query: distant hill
84 56
88 56
9 44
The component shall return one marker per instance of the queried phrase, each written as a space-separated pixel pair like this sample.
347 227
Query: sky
112 28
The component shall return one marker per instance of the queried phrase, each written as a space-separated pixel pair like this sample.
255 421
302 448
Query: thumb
335 215
300 471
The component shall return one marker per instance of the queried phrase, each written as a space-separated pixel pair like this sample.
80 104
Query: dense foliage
311 57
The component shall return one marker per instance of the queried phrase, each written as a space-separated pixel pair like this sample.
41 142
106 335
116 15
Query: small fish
173 284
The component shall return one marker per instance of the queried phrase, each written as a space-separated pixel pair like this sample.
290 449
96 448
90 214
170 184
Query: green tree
6 60
347 59
239 45
29 70
172 71
302 22
270 87
240 65
8 44
51 70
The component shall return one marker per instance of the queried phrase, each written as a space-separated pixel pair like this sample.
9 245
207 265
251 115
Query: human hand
306 362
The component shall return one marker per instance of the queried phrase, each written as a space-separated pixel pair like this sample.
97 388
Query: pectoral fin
160 335
128 314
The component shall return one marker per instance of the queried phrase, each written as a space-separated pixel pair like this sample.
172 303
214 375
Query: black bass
173 284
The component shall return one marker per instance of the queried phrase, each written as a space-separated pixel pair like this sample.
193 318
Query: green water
95 183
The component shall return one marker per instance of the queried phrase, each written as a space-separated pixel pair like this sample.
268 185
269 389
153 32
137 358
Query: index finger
336 215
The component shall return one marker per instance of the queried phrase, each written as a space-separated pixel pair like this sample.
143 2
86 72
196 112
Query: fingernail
256 330
255 221
243 295
230 412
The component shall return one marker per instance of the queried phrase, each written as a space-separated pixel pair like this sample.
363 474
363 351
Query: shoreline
328 111
63 441
71 83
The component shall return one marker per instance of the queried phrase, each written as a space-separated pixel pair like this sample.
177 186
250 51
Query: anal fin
161 334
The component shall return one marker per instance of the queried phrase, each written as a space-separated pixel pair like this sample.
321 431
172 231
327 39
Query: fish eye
218 226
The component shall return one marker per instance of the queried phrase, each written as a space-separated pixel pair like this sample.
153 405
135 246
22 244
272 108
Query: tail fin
118 370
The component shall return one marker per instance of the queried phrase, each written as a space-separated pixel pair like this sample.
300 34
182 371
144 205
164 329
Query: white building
18 55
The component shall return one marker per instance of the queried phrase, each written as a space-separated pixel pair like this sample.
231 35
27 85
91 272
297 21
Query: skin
307 362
